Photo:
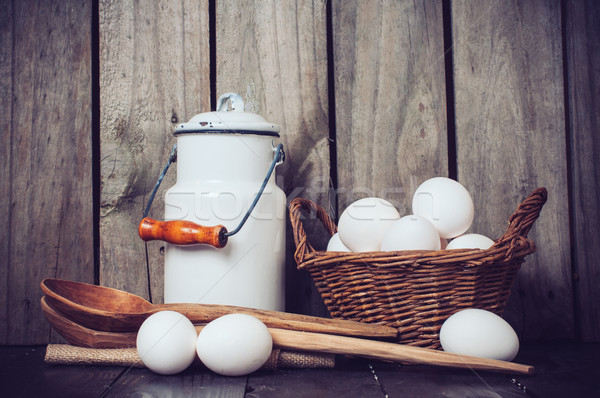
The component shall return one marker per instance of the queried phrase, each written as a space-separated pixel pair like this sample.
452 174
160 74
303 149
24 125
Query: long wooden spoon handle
182 232
318 342
204 313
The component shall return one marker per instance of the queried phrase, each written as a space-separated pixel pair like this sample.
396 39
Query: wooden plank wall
390 96
510 124
47 224
154 73
373 98
582 23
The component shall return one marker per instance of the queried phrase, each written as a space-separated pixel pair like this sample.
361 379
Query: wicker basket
415 291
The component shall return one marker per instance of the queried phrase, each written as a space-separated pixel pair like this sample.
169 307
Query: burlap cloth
64 354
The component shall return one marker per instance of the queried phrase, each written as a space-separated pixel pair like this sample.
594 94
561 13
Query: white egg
166 342
234 345
335 244
364 223
446 203
411 233
470 241
479 333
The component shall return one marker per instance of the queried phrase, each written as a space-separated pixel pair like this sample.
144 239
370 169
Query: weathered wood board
6 133
583 68
274 55
390 99
47 171
154 72
511 139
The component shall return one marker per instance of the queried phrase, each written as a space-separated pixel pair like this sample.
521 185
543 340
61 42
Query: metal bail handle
182 232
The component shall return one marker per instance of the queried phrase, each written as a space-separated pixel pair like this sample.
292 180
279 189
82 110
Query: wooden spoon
300 341
81 336
112 310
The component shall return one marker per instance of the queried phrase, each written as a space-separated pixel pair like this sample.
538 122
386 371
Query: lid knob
235 102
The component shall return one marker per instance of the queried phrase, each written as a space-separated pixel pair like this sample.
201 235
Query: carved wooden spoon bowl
112 310
81 336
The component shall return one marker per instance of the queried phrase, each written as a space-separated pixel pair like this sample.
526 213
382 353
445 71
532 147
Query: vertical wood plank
390 98
511 139
274 54
154 72
583 55
6 93
49 136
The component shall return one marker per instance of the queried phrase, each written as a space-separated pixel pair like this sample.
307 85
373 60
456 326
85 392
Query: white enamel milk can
225 236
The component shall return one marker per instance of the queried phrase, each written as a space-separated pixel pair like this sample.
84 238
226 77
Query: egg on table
166 342
479 333
234 345
446 203
364 223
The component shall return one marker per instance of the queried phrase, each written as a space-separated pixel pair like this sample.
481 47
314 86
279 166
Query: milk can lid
229 118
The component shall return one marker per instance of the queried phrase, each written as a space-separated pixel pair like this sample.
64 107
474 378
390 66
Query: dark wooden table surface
563 369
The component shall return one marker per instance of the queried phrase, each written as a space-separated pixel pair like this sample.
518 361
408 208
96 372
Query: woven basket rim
416 258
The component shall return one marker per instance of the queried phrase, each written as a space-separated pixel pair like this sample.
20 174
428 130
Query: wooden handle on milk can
182 232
